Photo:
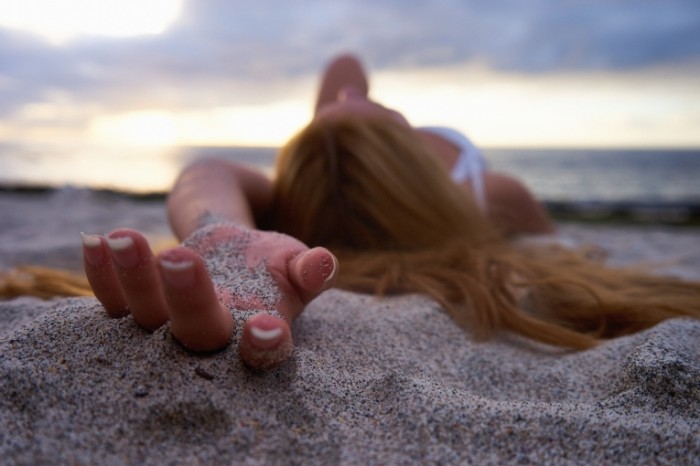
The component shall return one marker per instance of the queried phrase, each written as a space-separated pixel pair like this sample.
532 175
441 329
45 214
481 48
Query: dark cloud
536 36
218 42
581 36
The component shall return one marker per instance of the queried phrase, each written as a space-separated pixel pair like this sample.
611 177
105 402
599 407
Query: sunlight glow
252 125
249 125
593 110
147 128
641 109
60 21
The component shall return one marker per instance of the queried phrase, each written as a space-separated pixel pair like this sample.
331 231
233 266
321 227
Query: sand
370 381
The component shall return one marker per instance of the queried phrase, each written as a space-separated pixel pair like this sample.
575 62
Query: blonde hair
42 282
373 193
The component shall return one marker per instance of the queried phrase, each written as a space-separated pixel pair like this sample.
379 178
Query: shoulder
444 149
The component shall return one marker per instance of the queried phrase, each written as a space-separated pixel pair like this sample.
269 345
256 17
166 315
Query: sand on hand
248 286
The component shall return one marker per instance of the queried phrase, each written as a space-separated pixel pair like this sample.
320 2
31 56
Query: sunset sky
511 73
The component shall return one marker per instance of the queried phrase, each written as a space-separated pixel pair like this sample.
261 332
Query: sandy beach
370 381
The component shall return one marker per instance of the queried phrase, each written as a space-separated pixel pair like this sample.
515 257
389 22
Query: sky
509 73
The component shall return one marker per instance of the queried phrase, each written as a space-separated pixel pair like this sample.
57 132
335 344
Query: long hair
373 193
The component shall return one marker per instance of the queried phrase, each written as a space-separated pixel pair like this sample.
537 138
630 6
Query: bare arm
218 189
344 71
513 208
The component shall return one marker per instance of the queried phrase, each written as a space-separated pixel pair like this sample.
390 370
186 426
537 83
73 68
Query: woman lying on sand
402 209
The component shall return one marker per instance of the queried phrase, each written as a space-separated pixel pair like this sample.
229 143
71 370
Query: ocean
653 184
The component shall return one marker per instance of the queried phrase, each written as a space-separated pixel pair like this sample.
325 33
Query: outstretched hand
220 269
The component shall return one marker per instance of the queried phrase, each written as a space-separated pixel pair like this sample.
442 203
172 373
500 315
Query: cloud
584 36
218 48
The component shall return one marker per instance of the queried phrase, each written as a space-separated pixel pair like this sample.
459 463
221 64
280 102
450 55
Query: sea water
576 175
570 176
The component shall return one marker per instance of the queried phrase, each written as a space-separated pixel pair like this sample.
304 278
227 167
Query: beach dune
370 381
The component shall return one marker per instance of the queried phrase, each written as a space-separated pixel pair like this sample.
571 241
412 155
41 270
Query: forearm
220 190
344 70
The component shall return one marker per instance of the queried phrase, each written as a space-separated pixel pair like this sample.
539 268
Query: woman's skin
128 278
511 206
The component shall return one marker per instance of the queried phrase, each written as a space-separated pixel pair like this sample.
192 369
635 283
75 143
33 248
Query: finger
198 320
138 277
101 275
301 277
266 342
312 272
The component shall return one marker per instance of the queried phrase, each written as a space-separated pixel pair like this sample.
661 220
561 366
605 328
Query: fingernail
265 334
124 252
90 241
92 250
265 338
178 274
329 268
266 342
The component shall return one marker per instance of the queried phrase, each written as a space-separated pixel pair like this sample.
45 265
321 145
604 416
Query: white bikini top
470 164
